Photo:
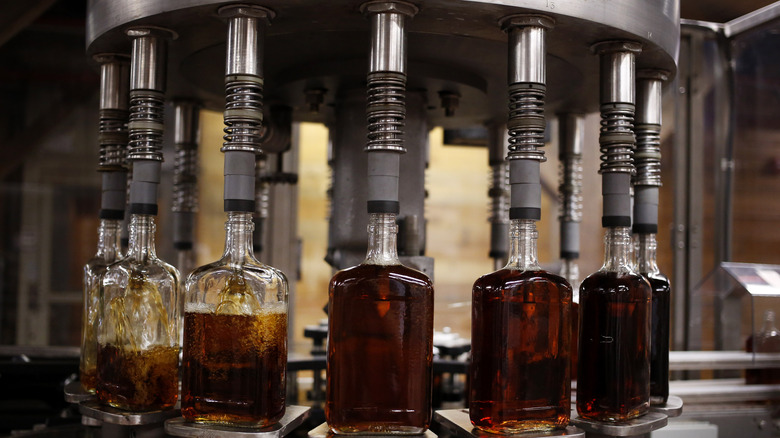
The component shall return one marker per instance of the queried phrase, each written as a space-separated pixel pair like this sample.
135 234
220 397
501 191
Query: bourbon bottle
520 335
138 338
659 326
615 306
235 336
108 251
380 345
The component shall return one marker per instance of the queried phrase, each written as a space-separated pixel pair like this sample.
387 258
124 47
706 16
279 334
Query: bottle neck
109 233
238 237
618 250
646 248
522 245
141 246
570 270
382 239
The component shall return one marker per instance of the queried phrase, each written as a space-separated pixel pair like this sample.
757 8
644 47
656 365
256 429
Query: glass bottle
614 382
380 345
570 271
659 326
520 335
766 341
138 339
108 251
235 336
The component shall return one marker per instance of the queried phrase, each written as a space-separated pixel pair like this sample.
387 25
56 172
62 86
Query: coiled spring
526 121
570 190
616 140
243 114
386 111
146 125
499 193
185 179
647 155
112 138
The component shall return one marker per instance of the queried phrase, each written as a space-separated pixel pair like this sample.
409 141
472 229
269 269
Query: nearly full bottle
235 336
614 368
521 334
659 326
380 345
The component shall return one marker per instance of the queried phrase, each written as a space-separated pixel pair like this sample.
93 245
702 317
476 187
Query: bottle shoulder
368 273
608 281
221 268
505 275
153 269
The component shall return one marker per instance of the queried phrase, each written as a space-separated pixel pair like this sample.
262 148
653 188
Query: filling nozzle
185 172
526 124
147 95
243 114
572 137
647 156
386 107
616 139
112 134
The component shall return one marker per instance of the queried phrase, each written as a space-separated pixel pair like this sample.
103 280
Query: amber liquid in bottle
235 336
520 352
575 338
659 339
521 334
614 368
235 368
659 327
142 380
380 346
571 273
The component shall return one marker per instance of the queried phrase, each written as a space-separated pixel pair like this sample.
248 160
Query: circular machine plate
453 45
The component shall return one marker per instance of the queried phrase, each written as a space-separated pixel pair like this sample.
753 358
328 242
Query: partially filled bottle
138 339
615 307
235 336
659 326
108 251
380 345
521 334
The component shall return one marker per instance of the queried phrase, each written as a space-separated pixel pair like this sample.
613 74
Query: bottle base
229 421
515 427
614 417
377 429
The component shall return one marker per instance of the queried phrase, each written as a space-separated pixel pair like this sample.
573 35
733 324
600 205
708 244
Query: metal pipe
185 172
526 124
147 94
616 138
243 114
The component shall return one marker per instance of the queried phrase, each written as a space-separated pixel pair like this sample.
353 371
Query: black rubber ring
239 205
497 254
383 207
112 214
570 255
525 213
137 208
616 221
182 246
645 229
